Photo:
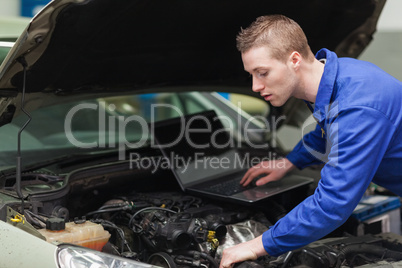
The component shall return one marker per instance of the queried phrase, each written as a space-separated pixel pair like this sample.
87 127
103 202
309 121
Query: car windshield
110 123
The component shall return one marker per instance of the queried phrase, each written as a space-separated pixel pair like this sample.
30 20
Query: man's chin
276 103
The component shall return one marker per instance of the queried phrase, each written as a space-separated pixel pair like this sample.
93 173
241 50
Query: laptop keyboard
229 187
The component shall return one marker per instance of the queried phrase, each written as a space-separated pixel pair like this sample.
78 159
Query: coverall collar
327 83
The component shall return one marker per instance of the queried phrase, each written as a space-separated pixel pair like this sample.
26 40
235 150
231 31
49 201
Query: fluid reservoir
86 234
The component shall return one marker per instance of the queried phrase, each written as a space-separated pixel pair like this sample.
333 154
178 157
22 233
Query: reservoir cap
55 224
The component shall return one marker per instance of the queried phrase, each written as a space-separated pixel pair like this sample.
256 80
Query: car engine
150 220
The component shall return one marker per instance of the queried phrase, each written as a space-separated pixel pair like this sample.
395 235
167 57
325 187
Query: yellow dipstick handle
17 218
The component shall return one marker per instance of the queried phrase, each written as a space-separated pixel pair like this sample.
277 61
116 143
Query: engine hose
148 242
371 249
275 211
202 254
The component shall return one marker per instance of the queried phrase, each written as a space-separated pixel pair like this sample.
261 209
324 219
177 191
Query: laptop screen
197 147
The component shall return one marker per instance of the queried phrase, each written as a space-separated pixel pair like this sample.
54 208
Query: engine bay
150 220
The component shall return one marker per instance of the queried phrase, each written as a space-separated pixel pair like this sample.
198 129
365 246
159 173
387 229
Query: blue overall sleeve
301 157
358 138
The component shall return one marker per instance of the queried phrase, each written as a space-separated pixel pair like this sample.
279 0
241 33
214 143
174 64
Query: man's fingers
266 179
251 170
254 172
245 251
225 265
250 176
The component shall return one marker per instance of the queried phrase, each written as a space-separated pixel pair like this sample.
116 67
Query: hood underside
98 45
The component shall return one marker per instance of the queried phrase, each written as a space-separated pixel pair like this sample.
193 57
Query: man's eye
262 74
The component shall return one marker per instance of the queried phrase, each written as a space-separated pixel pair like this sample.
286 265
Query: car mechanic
358 136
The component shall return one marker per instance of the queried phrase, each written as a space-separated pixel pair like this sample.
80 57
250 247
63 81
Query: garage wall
10 7
390 18
386 52
386 48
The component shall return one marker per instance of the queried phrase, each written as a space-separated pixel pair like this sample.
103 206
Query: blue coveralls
359 106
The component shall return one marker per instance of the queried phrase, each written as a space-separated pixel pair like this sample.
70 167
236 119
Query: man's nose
257 85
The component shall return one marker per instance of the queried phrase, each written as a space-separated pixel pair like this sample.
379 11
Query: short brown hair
281 34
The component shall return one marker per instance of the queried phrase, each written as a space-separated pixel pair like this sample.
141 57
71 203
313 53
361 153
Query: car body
78 92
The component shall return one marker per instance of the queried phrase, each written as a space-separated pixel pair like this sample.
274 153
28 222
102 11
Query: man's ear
295 59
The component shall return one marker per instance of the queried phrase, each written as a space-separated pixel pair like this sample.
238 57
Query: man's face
275 80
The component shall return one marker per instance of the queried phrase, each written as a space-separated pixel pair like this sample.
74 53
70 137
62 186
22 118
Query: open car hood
93 46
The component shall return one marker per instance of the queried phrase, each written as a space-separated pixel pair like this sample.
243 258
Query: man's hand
274 170
249 250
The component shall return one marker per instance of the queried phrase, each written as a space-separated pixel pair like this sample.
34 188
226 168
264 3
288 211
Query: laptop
206 161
